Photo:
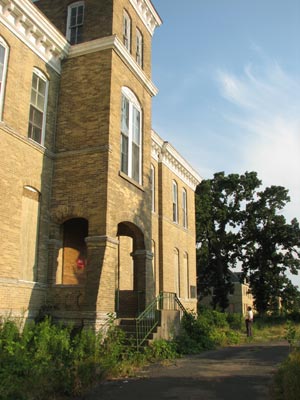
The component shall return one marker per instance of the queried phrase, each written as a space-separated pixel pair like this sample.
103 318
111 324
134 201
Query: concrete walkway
234 373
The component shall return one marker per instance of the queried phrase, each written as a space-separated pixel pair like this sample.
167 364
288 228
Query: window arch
4 50
75 22
175 201
38 107
131 135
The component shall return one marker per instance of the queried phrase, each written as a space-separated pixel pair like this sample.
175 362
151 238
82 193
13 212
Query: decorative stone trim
147 13
113 42
163 152
25 21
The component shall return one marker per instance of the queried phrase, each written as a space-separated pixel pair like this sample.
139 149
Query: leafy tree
237 223
271 247
218 224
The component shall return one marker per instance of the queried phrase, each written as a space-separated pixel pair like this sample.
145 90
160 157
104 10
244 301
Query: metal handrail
147 321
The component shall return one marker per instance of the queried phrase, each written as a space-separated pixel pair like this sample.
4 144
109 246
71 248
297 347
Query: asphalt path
243 372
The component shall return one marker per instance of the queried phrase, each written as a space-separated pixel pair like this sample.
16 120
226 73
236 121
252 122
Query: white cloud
266 113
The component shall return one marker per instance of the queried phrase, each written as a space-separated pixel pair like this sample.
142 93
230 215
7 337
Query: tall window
186 275
184 208
30 210
75 22
176 273
3 68
139 48
152 181
175 201
127 31
38 105
131 136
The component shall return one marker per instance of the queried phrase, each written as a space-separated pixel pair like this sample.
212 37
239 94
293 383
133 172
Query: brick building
97 210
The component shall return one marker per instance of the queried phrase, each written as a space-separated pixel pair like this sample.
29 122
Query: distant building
97 211
239 300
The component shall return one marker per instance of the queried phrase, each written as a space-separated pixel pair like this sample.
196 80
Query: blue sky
228 73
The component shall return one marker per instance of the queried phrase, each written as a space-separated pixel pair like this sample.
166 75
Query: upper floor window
139 48
127 31
75 22
152 182
175 201
38 106
131 135
184 208
3 68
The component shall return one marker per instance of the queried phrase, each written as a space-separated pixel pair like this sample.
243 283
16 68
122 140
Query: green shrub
47 359
161 349
235 321
287 379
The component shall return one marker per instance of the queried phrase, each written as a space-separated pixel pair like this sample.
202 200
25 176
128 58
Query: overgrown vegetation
53 361
287 378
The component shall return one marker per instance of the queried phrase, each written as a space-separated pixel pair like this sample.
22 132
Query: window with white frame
75 22
139 48
38 106
184 208
131 136
127 31
3 68
152 181
175 201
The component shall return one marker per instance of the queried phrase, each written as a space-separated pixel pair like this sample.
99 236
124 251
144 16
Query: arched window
38 107
127 31
139 48
75 22
4 49
176 272
175 201
29 232
186 274
184 208
152 182
131 136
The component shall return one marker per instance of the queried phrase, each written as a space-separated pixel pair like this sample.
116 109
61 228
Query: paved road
233 373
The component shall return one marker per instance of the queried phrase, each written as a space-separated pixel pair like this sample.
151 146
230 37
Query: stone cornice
113 42
147 13
24 20
163 152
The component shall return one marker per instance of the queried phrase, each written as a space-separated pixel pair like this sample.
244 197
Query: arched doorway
73 254
131 274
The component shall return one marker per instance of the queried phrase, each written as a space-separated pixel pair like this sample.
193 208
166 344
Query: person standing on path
249 321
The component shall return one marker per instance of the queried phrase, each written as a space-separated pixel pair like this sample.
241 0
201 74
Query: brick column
143 283
99 299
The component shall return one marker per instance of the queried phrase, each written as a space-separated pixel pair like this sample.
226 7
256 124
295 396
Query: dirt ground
241 372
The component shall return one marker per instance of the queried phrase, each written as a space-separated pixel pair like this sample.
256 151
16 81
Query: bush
205 331
48 359
287 379
161 350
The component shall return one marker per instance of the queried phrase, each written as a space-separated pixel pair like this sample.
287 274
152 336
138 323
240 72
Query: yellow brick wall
23 162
